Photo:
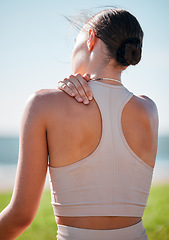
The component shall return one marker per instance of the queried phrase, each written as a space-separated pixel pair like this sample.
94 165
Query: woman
101 156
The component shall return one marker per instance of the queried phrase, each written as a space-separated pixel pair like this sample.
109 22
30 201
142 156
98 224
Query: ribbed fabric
113 180
134 232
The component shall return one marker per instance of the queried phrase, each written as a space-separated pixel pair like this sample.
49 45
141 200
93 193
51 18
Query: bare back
74 130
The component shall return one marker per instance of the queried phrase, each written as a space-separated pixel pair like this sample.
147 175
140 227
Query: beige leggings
134 232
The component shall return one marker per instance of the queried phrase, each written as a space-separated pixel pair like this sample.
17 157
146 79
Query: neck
105 73
106 79
100 69
105 76
100 66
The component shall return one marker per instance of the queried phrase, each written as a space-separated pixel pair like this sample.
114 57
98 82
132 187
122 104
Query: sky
35 51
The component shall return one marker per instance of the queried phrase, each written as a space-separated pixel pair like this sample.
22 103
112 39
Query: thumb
86 76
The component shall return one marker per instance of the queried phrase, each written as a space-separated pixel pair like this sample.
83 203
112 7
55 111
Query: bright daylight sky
36 43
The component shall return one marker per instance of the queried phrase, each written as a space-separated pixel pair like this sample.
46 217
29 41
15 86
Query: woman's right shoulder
145 107
143 112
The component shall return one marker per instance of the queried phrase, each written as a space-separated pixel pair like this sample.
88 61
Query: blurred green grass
156 216
155 220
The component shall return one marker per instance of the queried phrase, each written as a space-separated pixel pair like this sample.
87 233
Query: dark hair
121 33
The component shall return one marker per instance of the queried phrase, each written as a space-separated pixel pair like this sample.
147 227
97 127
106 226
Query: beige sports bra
113 180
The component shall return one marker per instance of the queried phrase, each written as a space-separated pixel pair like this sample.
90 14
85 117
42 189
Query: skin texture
51 118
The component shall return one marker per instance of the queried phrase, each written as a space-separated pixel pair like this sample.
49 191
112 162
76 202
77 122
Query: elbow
21 218
22 221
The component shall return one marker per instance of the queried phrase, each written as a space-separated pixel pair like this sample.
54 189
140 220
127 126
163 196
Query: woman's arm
76 86
31 172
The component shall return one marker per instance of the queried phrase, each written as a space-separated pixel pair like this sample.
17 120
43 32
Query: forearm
11 224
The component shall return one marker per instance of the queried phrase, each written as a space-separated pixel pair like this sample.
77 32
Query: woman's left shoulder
37 105
42 95
41 98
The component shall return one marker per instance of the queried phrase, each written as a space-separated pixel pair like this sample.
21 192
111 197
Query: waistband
134 232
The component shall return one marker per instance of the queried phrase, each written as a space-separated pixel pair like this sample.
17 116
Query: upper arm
33 160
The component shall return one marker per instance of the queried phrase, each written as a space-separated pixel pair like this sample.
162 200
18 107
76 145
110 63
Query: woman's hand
76 86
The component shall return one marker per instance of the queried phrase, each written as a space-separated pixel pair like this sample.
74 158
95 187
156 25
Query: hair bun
129 53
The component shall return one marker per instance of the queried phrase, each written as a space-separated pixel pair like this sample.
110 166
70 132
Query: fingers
69 88
86 77
62 85
77 86
73 90
81 87
84 85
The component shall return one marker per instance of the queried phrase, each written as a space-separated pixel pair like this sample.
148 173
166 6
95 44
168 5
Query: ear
91 40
